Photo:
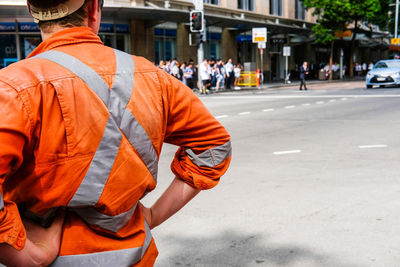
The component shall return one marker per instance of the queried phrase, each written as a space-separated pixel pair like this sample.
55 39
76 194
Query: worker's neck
55 29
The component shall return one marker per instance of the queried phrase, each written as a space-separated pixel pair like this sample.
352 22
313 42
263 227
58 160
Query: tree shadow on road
233 249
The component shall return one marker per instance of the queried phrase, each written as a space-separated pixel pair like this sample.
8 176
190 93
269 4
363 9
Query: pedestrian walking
303 75
81 128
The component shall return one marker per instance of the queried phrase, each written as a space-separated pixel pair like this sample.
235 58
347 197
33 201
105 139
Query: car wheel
369 86
381 86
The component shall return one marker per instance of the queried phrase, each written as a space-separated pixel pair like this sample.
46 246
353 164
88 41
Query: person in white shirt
237 70
205 71
229 74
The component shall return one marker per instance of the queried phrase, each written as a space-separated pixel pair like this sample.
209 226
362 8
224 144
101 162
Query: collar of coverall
57 12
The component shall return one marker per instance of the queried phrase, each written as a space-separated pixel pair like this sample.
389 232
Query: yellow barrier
248 79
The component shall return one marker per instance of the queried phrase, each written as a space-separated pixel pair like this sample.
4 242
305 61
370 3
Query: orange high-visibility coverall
87 135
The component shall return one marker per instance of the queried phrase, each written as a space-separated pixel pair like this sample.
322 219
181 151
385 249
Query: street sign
262 45
198 4
395 41
286 51
259 35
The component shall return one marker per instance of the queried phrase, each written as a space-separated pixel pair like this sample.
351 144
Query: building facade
159 30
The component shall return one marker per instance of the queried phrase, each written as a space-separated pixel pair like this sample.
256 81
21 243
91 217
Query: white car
384 72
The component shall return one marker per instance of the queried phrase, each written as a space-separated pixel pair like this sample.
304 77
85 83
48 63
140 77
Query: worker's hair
72 20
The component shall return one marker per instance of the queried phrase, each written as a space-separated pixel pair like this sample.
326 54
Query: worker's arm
172 200
41 247
20 245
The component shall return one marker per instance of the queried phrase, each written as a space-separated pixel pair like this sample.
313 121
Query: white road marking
344 98
299 96
222 116
244 113
288 107
332 100
320 102
306 104
372 146
286 152
268 110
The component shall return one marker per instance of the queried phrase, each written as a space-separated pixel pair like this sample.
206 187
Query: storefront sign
259 35
7 27
106 27
122 28
28 27
244 38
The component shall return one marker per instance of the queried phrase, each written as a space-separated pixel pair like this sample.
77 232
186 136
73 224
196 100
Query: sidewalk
293 85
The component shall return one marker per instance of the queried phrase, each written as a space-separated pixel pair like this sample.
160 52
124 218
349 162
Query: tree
336 15
329 20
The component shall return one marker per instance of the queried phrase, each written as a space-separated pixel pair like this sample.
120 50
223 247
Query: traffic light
196 21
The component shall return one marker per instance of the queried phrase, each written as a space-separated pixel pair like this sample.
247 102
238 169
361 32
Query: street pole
200 58
262 66
396 19
286 69
341 63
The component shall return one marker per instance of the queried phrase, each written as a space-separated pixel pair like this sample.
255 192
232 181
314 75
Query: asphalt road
314 181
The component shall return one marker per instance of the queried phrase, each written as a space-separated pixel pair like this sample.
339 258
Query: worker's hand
147 214
45 242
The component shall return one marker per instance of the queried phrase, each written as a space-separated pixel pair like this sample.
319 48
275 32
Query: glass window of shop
276 7
19 39
165 44
213 47
115 35
246 4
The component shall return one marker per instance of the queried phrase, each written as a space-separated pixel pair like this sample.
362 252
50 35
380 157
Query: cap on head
57 12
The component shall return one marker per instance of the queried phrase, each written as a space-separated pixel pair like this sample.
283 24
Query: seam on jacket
25 105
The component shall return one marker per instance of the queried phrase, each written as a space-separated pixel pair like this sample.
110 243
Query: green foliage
334 15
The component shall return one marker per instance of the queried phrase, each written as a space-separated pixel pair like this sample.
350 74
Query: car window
387 64
380 65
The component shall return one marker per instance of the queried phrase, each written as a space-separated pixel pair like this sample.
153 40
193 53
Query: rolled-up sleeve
14 129
204 152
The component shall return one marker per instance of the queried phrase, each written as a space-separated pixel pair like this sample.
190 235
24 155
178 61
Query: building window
275 7
213 2
300 10
246 5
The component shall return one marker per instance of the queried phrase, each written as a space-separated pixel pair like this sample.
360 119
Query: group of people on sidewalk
214 74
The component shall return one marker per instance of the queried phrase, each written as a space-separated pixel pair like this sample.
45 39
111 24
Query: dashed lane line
320 102
372 146
268 110
306 104
287 152
221 116
244 113
289 107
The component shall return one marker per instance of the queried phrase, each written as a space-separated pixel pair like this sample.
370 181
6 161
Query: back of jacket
83 126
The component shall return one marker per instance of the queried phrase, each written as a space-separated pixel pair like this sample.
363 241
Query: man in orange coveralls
81 130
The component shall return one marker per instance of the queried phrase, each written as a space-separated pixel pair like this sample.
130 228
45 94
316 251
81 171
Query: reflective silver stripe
92 186
111 223
120 258
1 202
121 119
139 139
211 157
80 69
